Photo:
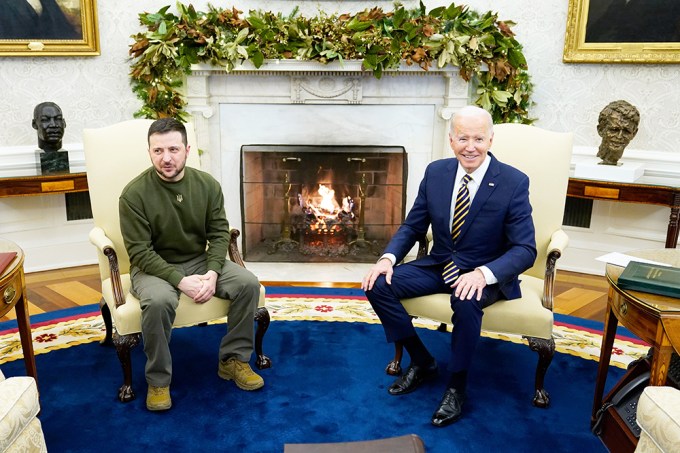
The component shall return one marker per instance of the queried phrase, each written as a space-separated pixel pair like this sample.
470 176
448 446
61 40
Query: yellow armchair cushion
524 316
128 317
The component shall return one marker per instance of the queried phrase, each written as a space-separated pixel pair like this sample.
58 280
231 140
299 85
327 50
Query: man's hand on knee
383 266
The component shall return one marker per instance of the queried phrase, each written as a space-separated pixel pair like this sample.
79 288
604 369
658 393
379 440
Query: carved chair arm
558 242
105 246
234 253
99 239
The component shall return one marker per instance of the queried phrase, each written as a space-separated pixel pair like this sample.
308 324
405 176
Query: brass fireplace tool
361 241
285 242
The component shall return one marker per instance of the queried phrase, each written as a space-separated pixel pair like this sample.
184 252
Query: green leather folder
651 278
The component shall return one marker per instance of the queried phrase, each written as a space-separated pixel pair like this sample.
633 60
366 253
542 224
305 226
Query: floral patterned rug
63 330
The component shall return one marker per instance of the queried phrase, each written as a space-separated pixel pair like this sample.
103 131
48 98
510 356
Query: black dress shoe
450 409
412 378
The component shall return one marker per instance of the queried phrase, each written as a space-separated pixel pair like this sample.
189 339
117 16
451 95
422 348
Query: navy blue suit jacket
498 231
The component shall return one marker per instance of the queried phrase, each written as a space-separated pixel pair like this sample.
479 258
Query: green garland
482 47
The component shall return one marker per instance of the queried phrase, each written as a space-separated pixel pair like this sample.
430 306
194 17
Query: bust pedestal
623 172
52 162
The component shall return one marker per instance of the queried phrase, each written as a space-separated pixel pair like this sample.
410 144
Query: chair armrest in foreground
558 242
99 239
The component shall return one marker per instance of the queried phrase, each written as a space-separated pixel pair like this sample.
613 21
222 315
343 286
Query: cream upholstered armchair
20 429
114 155
658 414
545 157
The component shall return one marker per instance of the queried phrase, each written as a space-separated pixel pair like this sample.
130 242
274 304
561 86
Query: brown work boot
241 373
158 398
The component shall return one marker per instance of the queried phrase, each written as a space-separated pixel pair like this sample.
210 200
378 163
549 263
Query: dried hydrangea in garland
482 47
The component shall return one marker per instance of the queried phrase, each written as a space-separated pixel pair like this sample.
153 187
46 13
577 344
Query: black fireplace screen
320 203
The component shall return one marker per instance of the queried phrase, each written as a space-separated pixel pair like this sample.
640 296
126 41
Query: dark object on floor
410 443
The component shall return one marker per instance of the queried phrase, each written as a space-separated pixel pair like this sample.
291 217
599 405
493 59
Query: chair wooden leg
546 351
123 344
262 319
394 367
108 324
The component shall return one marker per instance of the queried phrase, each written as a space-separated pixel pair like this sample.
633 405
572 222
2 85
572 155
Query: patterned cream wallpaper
94 91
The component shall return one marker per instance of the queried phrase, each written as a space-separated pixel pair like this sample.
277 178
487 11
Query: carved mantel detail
326 89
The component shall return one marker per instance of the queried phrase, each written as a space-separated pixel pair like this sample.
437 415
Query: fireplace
320 203
296 102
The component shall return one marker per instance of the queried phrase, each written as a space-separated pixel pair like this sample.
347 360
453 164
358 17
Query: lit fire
326 214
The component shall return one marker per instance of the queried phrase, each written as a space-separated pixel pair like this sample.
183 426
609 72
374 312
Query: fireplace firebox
303 203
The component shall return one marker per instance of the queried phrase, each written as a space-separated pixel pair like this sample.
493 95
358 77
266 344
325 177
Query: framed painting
622 31
48 28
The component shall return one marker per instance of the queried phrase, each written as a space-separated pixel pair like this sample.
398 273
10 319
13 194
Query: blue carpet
327 384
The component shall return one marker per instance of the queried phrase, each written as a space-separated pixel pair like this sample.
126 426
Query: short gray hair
471 110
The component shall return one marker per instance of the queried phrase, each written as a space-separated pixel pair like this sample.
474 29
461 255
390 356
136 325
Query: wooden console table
646 190
13 296
653 318
20 186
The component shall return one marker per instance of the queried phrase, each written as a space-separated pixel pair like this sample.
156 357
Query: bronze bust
617 125
49 121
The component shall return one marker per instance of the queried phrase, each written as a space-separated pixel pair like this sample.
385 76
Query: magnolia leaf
437 12
487 39
243 34
256 22
484 101
257 58
399 16
370 61
462 40
517 96
453 11
501 96
488 20
516 58
242 51
357 25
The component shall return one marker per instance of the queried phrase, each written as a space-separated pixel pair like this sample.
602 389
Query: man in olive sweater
176 233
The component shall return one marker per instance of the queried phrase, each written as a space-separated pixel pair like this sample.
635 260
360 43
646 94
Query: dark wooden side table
13 296
21 186
653 318
646 190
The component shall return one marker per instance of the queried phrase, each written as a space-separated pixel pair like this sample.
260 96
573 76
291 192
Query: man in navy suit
492 247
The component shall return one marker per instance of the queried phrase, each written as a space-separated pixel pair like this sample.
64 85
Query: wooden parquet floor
580 295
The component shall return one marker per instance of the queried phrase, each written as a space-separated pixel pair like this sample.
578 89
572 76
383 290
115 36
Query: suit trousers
159 300
409 280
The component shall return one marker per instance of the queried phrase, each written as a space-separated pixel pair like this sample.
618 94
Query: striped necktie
450 273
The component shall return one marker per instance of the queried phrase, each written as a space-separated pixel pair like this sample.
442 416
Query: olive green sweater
166 223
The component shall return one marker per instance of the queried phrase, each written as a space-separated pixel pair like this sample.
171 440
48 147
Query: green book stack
651 278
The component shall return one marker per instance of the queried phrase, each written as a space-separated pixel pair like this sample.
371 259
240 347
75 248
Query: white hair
471 110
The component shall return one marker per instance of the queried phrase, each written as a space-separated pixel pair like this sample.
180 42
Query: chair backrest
114 155
544 156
